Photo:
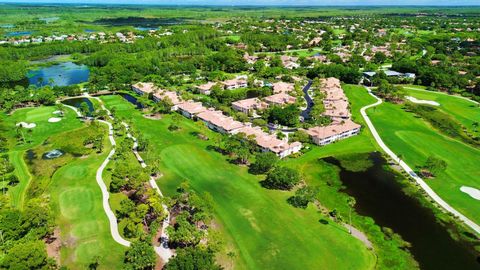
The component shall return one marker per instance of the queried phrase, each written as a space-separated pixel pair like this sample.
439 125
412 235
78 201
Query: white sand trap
473 192
57 112
422 101
26 125
54 119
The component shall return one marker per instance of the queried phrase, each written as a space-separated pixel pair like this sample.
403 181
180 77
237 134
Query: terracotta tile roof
192 107
250 104
282 87
280 99
218 119
268 141
332 129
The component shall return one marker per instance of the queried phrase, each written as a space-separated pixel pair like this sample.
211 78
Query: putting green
75 202
35 136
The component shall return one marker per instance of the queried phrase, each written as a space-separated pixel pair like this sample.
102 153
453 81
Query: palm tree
475 126
231 255
351 203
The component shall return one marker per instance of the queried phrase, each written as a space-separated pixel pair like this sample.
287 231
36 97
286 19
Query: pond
55 153
62 74
379 196
77 102
19 33
143 28
133 100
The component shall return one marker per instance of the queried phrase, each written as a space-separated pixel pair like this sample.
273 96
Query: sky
263 2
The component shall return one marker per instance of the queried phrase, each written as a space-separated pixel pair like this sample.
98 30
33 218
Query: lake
143 28
379 196
19 33
63 74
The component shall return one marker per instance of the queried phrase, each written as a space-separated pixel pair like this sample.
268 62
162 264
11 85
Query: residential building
283 87
249 105
206 88
215 120
143 88
251 59
280 99
270 142
235 83
190 108
289 62
333 132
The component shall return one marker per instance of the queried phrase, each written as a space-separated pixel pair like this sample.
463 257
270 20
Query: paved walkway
103 188
359 235
163 251
410 172
106 195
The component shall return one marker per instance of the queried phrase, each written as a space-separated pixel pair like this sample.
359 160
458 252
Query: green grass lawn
415 140
262 229
69 181
464 111
77 203
38 135
324 176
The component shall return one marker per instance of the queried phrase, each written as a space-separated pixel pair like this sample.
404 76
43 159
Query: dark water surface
76 102
379 195
133 100
63 74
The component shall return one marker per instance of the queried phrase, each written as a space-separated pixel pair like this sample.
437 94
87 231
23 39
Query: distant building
289 62
206 89
235 83
282 87
280 99
249 105
367 76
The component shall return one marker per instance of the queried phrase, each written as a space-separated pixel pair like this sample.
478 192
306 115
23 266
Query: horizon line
232 5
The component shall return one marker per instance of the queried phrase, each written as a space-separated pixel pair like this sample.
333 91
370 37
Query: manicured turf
77 202
362 143
40 133
264 230
415 140
464 111
17 193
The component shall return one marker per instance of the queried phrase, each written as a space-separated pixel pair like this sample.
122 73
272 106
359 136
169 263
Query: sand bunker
26 125
422 101
473 192
54 119
57 112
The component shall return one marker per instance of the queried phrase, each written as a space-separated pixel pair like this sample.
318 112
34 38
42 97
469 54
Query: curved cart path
105 194
410 172
163 251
